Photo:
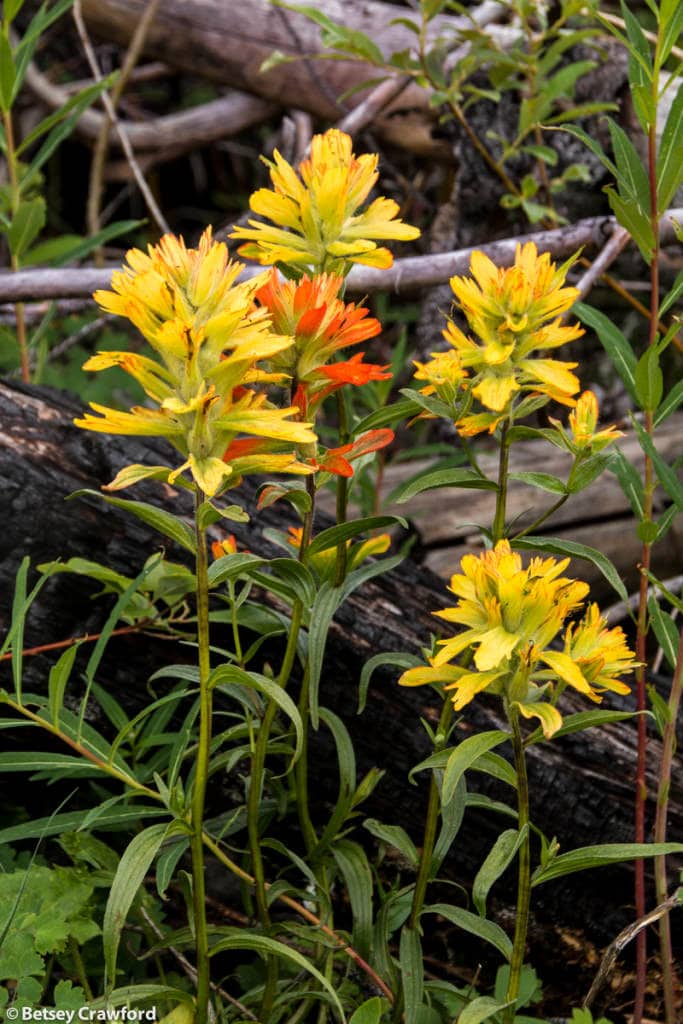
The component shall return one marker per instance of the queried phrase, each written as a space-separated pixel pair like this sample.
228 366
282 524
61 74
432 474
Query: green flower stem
668 748
303 912
201 770
431 823
301 771
543 517
342 490
649 485
498 529
258 763
524 883
15 199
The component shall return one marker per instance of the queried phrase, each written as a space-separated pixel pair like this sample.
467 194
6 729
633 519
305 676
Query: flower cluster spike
209 338
317 216
513 313
512 616
321 324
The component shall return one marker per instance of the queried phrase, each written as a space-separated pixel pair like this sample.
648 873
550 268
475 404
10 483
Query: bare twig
205 123
190 971
408 274
150 201
373 104
622 940
99 156
617 241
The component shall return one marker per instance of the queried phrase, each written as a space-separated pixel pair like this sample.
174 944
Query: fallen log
581 785
408 273
230 42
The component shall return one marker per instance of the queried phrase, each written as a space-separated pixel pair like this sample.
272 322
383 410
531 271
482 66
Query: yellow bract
316 211
512 614
513 312
209 337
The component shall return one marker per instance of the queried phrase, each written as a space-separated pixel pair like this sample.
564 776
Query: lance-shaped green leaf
559 546
669 161
133 866
498 859
613 341
412 973
600 856
164 522
473 924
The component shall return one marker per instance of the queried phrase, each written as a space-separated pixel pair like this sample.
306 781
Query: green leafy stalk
201 769
258 763
15 200
668 748
431 822
501 495
524 878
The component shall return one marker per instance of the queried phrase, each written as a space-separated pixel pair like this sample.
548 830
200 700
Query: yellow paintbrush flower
316 215
583 420
513 312
209 336
511 616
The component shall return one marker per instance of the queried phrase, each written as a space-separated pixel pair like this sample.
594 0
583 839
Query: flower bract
513 617
209 339
317 215
514 313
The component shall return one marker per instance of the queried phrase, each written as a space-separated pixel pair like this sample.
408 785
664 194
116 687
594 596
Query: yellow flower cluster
512 614
209 337
513 312
316 215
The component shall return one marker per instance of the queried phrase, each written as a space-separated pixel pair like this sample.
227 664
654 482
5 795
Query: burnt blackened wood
581 785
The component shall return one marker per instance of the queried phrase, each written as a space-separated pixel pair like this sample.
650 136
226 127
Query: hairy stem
668 749
524 878
15 200
498 530
201 770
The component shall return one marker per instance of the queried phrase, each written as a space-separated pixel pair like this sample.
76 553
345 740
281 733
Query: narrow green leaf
133 866
545 481
473 924
396 658
63 128
465 755
353 864
324 607
497 861
630 480
635 220
59 677
412 973
27 223
559 546
452 814
368 1012
16 631
40 761
613 341
632 177
164 522
649 380
581 720
232 675
394 835
239 938
85 246
671 26
439 478
110 819
346 531
666 631
669 161
231 567
600 856
480 1009
386 417
673 294
346 762
8 72
594 147
665 474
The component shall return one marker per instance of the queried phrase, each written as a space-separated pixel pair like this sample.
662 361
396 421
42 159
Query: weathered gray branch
407 274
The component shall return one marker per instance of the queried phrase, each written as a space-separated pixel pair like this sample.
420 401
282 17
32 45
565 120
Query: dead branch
199 126
408 274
